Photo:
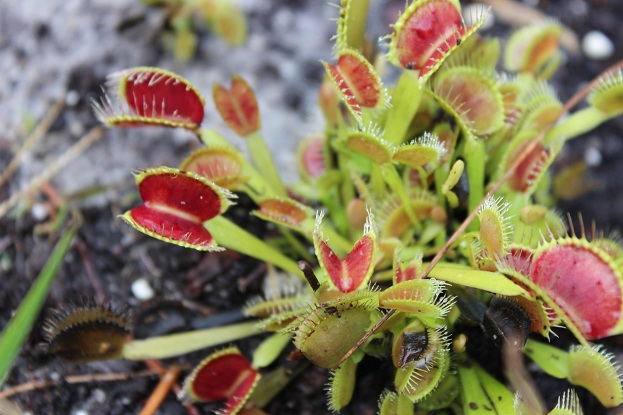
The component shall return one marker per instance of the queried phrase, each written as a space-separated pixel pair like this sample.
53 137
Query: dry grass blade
99 377
74 151
34 137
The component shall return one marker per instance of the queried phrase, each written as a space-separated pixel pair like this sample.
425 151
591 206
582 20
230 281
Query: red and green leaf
223 376
354 271
175 206
426 33
580 278
286 212
474 96
152 97
221 165
238 106
357 82
313 157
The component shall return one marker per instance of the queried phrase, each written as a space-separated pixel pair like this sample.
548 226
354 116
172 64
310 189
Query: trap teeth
89 333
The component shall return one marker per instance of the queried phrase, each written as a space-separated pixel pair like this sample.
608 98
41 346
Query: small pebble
473 12
39 211
81 412
142 290
76 128
597 46
72 98
99 395
592 156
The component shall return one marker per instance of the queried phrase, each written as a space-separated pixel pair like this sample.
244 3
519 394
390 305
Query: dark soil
191 286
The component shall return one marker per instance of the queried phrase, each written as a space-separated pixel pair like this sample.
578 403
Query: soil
64 49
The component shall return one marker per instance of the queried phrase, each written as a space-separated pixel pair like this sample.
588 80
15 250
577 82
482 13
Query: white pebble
142 290
473 12
592 156
596 45
72 98
99 395
39 211
76 128
81 412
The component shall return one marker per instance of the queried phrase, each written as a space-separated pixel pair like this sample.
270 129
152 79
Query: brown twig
155 365
572 102
100 377
36 135
52 194
97 286
167 380
64 159
517 374
308 272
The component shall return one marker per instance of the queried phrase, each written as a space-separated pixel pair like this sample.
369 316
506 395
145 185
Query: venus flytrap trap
388 198
238 108
185 209
223 376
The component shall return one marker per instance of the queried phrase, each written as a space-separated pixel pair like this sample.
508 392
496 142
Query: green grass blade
14 334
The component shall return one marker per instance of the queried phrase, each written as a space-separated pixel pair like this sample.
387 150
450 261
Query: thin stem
295 243
274 382
231 236
356 23
406 100
389 173
263 161
475 167
181 343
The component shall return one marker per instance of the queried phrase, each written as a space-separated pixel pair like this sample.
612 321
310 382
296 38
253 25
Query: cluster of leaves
410 166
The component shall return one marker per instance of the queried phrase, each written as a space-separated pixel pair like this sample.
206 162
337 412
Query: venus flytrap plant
397 270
